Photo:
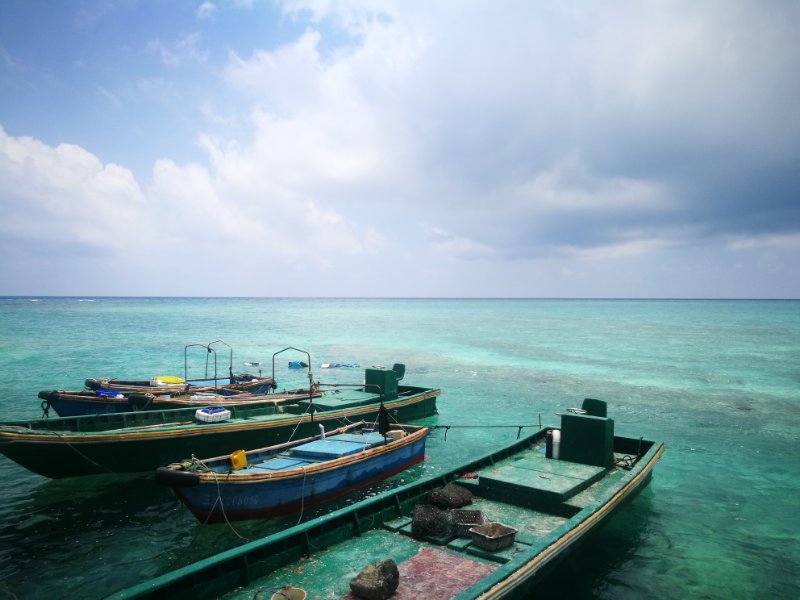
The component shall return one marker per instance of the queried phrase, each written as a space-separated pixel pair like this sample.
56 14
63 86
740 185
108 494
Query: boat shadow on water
76 506
593 568
105 519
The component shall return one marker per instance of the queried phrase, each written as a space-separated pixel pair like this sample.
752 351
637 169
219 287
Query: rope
626 462
302 498
146 404
221 506
82 455
291 437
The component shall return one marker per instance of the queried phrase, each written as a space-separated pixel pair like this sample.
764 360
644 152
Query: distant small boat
162 385
337 365
285 478
212 380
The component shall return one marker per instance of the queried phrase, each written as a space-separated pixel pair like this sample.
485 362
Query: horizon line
190 297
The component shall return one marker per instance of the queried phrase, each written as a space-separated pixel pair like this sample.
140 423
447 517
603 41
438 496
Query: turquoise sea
718 381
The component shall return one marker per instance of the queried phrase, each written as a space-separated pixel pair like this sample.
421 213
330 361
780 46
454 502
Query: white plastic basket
212 414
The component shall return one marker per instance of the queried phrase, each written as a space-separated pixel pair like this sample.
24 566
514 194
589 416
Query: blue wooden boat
67 403
289 477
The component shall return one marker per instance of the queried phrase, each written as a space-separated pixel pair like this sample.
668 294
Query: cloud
450 246
611 141
285 80
206 11
184 50
253 193
64 196
66 212
584 143
766 241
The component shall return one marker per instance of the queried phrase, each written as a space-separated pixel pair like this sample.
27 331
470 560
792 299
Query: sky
457 148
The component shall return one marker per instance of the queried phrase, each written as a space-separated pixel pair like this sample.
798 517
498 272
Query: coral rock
377 581
451 496
430 521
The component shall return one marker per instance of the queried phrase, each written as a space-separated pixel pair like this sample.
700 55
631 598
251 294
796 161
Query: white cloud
285 80
314 120
178 53
790 240
568 186
206 10
190 222
67 196
616 251
251 185
447 245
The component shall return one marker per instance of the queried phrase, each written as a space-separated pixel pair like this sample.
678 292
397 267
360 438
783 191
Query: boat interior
528 494
309 453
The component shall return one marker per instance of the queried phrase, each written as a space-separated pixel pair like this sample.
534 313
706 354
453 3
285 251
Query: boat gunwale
194 385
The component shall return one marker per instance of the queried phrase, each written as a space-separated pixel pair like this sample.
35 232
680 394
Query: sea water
718 381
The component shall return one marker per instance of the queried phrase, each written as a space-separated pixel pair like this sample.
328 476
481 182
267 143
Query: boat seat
544 482
337 446
281 463
595 408
371 439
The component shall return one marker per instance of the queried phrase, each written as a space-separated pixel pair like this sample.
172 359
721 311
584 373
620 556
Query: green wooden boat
143 441
527 512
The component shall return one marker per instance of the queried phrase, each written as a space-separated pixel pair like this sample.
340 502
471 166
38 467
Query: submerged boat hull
552 504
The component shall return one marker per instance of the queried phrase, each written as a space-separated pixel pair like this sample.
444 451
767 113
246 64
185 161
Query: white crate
212 414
